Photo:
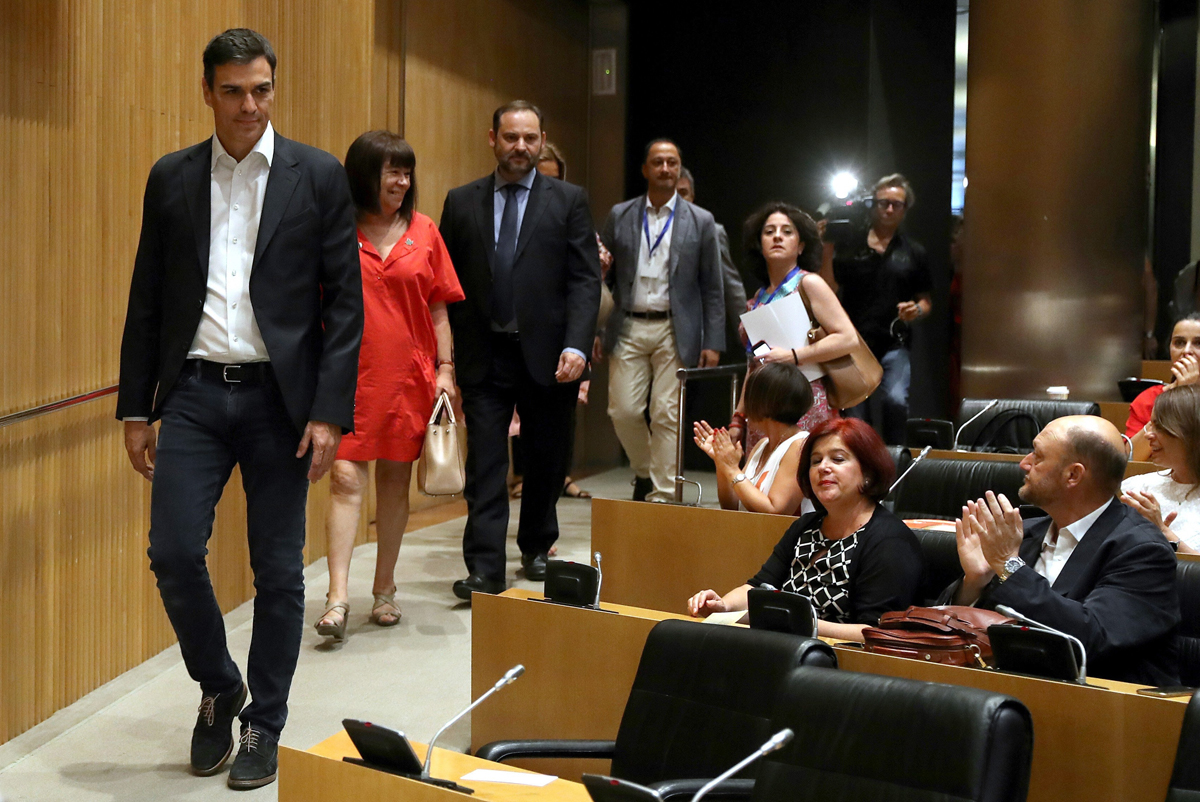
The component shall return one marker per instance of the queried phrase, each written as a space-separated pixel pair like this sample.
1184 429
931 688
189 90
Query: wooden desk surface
320 775
1100 744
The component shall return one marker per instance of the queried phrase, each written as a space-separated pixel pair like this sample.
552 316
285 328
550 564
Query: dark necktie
503 310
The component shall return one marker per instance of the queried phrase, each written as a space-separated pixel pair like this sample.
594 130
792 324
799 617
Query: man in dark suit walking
241 338
525 252
1093 568
669 313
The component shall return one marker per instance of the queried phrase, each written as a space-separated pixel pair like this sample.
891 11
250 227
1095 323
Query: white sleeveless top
762 472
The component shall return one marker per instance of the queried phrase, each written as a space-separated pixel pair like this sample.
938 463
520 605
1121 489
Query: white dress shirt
1060 543
228 331
652 286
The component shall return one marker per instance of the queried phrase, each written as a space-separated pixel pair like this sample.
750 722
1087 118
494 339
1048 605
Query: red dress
397 361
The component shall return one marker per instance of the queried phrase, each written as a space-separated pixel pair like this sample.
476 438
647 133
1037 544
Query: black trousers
545 432
208 426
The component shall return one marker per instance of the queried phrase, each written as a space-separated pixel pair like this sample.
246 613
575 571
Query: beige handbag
851 378
442 471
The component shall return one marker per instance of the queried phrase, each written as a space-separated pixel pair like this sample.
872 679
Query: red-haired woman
852 558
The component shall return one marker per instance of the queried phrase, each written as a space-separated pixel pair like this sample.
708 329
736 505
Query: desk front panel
1099 744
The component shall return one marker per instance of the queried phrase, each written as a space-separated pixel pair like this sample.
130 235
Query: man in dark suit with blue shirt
1093 568
525 253
242 335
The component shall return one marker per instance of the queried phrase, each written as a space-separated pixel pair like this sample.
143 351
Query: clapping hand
1147 504
703 435
967 531
726 453
1000 529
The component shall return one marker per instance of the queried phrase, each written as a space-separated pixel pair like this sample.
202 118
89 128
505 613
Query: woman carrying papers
784 249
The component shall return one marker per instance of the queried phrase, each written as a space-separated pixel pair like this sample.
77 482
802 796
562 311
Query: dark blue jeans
208 427
887 408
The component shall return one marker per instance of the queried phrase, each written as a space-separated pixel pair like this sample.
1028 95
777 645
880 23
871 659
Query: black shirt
885 569
871 284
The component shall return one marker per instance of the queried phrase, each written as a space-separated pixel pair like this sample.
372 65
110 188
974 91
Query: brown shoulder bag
850 378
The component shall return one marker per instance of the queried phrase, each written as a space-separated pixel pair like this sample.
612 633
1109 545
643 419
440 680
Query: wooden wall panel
463 58
92 95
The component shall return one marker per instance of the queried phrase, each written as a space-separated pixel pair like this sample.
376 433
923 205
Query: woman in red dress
405 361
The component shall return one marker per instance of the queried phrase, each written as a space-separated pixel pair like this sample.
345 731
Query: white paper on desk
510 777
782 324
725 619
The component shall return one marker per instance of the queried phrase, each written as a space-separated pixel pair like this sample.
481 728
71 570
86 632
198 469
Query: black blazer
556 275
1116 593
305 284
885 572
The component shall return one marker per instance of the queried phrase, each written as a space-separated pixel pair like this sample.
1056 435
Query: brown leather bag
951 634
850 378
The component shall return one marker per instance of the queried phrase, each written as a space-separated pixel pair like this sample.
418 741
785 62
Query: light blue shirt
499 199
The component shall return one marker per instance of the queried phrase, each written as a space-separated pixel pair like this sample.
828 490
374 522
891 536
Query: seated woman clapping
852 558
776 396
1170 499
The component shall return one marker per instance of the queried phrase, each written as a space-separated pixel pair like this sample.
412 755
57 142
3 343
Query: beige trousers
643 365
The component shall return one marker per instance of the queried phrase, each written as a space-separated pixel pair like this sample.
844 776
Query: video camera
846 219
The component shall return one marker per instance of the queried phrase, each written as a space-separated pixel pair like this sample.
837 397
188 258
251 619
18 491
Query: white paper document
726 619
510 777
782 324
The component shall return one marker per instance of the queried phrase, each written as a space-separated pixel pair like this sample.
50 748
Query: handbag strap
442 403
812 319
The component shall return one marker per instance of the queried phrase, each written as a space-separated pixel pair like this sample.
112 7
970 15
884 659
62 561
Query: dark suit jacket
1116 593
696 284
305 284
556 275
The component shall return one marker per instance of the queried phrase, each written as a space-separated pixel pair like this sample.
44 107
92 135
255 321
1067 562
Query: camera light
843 184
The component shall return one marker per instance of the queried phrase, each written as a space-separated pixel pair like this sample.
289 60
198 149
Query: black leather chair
702 700
1185 779
901 456
1187 574
862 736
938 488
1011 425
942 566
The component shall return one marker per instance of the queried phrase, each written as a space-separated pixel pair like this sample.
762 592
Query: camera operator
884 284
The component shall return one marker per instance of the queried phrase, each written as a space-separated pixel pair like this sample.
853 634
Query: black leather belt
659 315
247 373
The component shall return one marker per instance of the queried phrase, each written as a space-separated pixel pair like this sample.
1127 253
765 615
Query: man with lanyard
668 314
884 284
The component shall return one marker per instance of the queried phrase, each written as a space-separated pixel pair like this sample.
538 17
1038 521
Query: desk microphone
509 676
776 742
1081 678
924 453
975 417
599 580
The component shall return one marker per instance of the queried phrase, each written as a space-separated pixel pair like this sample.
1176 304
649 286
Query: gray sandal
336 631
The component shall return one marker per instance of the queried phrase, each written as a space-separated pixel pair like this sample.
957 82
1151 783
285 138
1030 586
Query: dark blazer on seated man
1115 591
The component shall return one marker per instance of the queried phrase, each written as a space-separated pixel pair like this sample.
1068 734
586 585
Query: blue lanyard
786 287
661 234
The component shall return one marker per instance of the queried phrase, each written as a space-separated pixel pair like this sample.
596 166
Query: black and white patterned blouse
821 571
853 580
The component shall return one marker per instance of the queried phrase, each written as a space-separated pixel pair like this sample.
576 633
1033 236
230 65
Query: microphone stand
509 677
924 453
975 417
599 580
776 742
1081 677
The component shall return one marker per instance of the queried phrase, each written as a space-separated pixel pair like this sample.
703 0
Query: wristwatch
1011 566
741 477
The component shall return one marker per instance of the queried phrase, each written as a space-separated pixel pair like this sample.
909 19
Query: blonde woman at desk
776 396
1170 498
852 558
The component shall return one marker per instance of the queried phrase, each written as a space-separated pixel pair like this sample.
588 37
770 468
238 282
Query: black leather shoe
534 565
641 488
257 761
212 737
475 583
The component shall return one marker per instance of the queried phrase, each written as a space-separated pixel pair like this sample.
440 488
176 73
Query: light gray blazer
696 286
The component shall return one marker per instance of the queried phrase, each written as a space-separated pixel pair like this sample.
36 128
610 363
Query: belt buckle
225 374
